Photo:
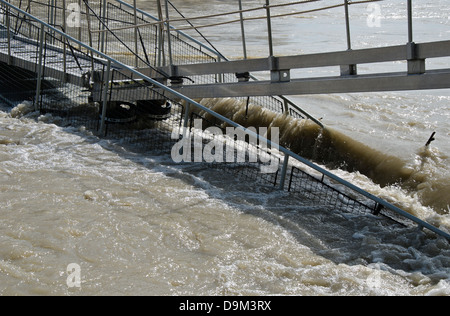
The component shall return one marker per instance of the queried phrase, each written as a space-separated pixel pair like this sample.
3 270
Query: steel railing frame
288 103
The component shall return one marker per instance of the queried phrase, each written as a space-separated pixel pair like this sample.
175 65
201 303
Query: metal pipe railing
288 153
221 56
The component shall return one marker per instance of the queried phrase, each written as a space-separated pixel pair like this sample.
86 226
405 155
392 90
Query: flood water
139 224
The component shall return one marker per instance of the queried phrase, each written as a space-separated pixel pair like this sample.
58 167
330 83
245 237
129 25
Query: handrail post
284 171
88 18
244 44
160 29
415 65
8 32
347 26
51 20
136 46
410 22
64 42
269 28
79 27
103 34
106 78
40 67
169 41
220 77
348 70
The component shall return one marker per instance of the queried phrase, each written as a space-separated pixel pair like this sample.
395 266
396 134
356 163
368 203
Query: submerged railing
134 125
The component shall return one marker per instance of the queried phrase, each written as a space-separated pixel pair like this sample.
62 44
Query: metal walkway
278 69
23 52
120 71
416 77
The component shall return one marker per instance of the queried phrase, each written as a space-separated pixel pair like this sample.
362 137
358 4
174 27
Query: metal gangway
122 72
279 69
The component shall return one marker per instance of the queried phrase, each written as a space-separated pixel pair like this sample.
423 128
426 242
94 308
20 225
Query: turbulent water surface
141 224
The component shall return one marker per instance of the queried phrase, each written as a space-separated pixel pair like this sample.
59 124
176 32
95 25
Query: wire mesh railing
145 114
181 47
108 27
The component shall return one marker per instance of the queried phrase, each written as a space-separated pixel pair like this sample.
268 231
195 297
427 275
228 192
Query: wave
425 176
422 176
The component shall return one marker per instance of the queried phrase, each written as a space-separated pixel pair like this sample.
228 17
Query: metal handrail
288 153
219 54
215 52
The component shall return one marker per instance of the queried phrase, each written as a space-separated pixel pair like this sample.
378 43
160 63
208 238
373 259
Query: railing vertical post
269 28
29 11
52 19
169 41
286 106
79 27
415 65
284 171
106 78
88 18
40 67
136 47
50 13
410 22
348 70
161 58
64 41
220 77
8 32
347 26
244 43
103 34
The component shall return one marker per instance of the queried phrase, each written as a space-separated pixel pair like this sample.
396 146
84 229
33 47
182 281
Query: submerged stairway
111 78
